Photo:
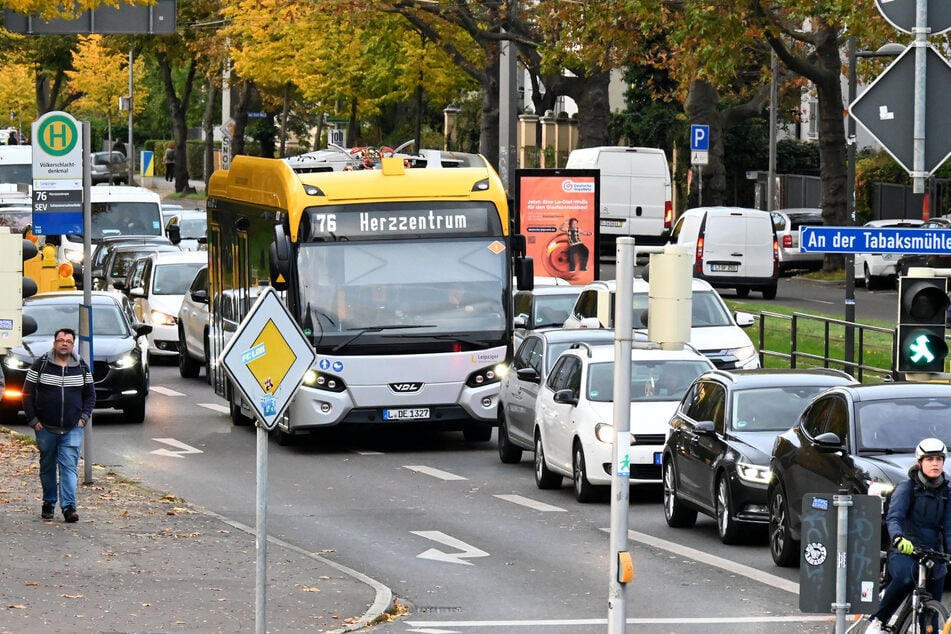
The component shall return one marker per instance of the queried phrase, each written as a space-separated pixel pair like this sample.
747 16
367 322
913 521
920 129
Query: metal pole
921 31
773 98
841 606
129 148
700 186
260 534
621 473
86 349
850 202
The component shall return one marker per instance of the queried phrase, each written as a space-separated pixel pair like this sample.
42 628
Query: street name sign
268 357
57 174
874 240
902 14
887 109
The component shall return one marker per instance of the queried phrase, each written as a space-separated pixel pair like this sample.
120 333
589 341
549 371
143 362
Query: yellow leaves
101 75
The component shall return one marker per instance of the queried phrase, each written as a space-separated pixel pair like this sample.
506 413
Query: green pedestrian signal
922 316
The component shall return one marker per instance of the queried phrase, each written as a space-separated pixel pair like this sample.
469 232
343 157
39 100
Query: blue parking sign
699 138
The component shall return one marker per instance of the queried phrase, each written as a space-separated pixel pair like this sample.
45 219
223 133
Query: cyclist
918 516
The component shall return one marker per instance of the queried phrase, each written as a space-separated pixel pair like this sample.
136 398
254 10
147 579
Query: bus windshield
439 287
125 218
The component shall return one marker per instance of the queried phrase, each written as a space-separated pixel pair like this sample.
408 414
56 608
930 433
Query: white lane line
712 560
633 621
367 452
530 503
436 473
215 407
164 390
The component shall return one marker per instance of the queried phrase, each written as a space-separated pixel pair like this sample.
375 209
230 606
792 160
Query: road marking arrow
183 449
452 542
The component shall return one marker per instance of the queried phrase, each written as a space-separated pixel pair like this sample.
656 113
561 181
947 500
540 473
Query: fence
802 340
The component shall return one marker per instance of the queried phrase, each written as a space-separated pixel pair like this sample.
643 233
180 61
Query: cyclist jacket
920 512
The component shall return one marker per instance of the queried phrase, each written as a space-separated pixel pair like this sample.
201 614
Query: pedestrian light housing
922 317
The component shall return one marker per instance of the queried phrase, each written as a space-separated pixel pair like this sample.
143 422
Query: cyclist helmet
930 447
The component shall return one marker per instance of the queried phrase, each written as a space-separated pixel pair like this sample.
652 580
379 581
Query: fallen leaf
17 607
71 596
32 583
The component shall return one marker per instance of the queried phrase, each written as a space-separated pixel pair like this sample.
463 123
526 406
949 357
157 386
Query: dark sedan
859 439
716 459
120 365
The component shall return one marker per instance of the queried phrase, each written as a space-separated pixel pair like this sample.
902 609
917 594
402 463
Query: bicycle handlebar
934 556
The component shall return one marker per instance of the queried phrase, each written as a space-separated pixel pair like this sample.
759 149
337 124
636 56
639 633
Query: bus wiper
363 331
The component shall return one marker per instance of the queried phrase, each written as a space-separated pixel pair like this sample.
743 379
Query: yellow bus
400 277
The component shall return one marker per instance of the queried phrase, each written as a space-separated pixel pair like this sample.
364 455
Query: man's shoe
47 512
70 514
874 627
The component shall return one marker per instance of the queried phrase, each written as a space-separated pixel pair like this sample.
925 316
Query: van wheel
769 292
742 293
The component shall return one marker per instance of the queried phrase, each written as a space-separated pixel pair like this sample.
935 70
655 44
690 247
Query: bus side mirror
524 273
279 259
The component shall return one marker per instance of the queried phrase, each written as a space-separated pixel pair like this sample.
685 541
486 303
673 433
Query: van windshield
121 218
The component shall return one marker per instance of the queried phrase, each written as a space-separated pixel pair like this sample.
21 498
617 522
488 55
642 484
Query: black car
716 459
932 260
119 262
859 439
105 246
120 364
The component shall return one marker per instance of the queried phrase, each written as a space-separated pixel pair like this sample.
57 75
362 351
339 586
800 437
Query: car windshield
651 380
770 408
897 425
193 227
107 319
174 279
707 310
552 310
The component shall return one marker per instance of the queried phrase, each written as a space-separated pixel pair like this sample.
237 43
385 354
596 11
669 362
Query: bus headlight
321 381
485 376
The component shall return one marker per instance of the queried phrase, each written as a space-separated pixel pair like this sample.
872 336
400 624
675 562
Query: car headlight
752 473
15 363
604 433
124 362
743 353
162 319
74 255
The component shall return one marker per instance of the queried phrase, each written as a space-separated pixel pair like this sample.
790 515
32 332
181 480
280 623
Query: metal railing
867 339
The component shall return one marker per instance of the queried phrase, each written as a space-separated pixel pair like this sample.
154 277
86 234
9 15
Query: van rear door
738 243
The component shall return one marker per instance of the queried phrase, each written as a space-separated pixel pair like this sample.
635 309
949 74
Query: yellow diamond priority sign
268 357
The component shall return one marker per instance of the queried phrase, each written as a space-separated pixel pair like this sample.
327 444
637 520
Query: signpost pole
87 289
841 605
260 534
919 173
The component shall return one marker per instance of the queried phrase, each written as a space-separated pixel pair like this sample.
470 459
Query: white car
713 330
878 269
193 327
786 224
157 299
574 414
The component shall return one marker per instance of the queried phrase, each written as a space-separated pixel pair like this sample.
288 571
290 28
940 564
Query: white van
16 169
635 192
734 247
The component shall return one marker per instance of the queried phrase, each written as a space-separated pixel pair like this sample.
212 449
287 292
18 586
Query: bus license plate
406 414
725 268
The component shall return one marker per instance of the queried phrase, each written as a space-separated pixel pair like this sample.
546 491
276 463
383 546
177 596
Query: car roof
150 247
72 297
772 377
133 238
894 222
893 390
642 286
800 212
178 257
561 335
604 352
553 290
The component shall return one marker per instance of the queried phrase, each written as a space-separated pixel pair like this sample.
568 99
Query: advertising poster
557 214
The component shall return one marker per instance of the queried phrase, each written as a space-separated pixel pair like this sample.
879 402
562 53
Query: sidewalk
163 187
141 561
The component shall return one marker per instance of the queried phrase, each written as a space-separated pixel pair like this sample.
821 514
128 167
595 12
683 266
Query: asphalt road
469 544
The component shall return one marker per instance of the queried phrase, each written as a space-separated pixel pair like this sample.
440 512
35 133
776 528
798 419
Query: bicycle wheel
933 619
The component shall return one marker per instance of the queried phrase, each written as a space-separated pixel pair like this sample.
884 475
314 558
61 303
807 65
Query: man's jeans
62 452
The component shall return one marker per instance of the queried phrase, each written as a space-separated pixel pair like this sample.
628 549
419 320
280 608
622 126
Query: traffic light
922 316
14 250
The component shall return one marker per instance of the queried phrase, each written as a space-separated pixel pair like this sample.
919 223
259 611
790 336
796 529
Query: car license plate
611 223
725 268
406 414
657 459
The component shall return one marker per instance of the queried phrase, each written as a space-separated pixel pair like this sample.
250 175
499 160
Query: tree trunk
177 107
208 127
708 185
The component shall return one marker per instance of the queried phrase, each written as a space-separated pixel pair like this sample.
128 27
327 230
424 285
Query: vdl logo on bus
57 135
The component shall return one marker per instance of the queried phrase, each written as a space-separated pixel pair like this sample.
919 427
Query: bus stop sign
268 357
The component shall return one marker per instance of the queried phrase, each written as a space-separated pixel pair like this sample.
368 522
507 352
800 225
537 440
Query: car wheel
675 512
477 432
8 413
742 293
188 368
207 361
871 283
727 528
544 479
237 418
769 292
509 453
134 412
584 490
783 548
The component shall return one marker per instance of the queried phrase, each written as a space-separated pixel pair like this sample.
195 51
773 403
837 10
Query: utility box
670 299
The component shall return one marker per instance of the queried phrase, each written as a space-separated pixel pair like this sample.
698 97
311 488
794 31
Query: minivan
733 247
635 192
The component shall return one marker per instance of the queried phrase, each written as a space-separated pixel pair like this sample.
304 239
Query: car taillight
698 264
787 241
668 215
775 257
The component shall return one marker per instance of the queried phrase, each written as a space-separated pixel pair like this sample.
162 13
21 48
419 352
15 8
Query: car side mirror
590 322
704 427
528 374
829 441
565 397
744 320
119 285
521 320
138 291
200 296
142 329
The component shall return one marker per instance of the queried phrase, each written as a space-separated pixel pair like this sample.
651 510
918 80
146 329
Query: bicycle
919 612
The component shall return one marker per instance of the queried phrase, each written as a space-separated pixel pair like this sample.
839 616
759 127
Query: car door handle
736 255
